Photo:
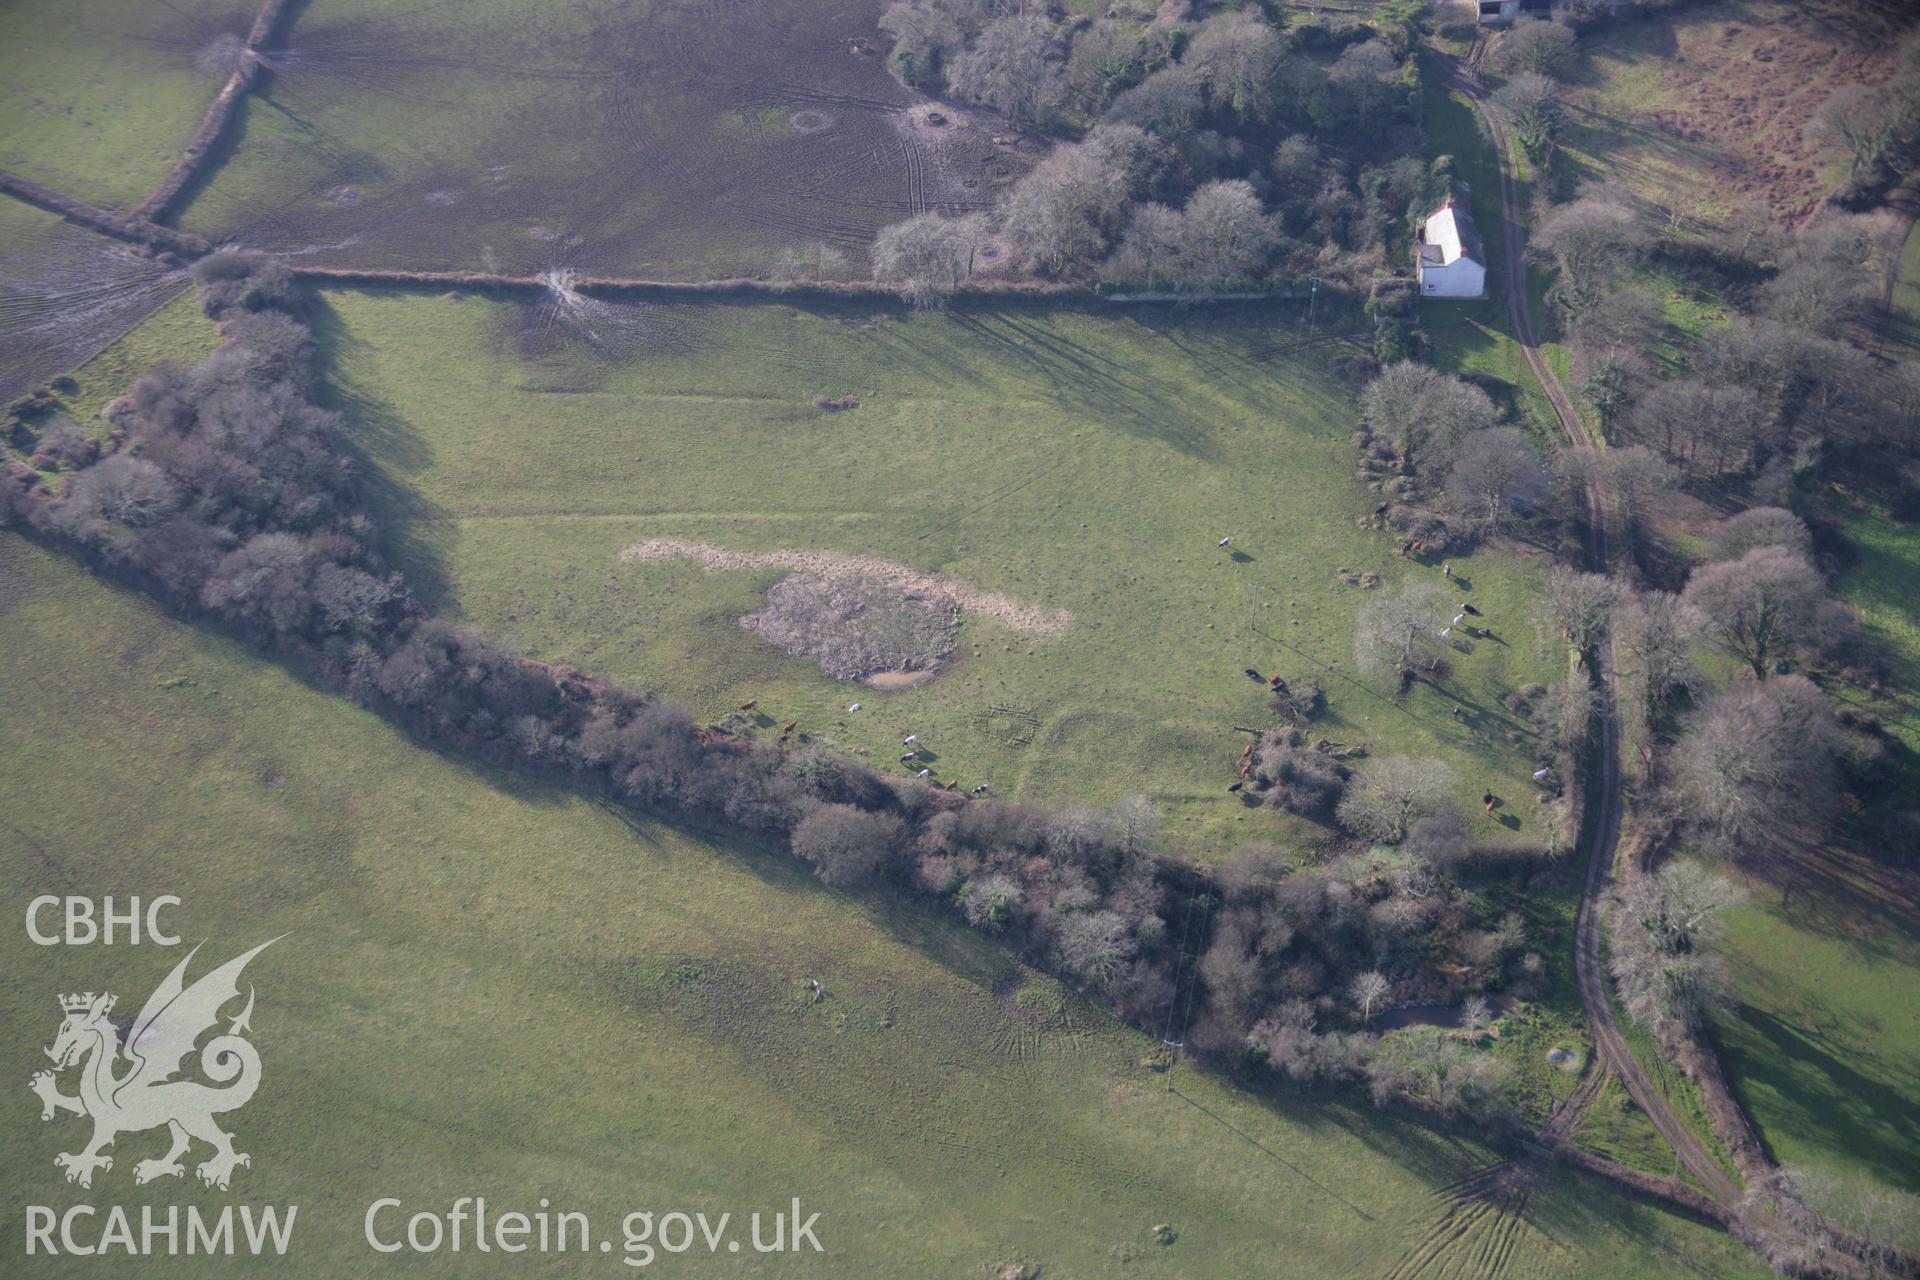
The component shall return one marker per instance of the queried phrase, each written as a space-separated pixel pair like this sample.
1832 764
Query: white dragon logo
148 1096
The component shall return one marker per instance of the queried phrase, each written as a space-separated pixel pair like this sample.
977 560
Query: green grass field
1075 461
490 986
1824 1042
100 96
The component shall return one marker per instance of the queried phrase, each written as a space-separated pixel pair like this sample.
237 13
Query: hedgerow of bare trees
929 254
1666 926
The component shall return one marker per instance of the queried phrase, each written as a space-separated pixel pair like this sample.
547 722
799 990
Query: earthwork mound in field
859 617
855 627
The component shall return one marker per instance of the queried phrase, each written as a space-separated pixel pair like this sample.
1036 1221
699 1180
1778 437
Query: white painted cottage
1452 261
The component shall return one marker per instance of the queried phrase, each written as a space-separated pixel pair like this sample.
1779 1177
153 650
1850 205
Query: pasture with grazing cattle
1080 463
472 491
491 986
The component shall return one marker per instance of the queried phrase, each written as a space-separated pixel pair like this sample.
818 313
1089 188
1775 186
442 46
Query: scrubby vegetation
1199 149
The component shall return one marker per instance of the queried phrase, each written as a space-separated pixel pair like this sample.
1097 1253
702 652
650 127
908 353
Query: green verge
177 331
1681 1094
490 986
100 99
1085 461
1615 1127
1824 1044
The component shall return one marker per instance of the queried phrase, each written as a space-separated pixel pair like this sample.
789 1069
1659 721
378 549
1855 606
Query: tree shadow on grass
388 453
1088 381
1830 1104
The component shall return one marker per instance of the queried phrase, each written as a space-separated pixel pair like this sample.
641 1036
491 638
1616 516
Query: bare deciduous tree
845 844
1535 46
1065 213
1861 119
1106 59
1168 103
1369 991
122 490
1881 1224
1665 927
1760 607
1656 633
1531 105
1580 603
1013 66
1397 631
1564 715
1627 478
1758 759
1387 794
1151 247
926 36
1708 428
1238 55
988 902
1296 163
1095 945
1591 241
1429 410
1496 474
1225 234
930 254
1362 78
1761 527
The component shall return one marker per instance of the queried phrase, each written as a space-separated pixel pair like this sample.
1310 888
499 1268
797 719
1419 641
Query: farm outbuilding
1452 260
1500 11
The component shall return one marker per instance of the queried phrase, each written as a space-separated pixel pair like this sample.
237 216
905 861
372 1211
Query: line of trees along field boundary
131 228
749 287
213 126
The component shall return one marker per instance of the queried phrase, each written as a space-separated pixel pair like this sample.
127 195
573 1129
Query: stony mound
856 626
